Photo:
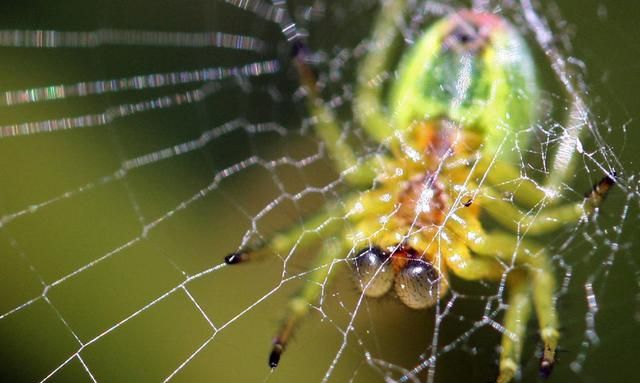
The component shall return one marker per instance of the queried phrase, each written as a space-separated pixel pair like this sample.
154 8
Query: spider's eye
417 284
374 274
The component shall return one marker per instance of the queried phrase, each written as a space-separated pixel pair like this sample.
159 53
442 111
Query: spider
464 97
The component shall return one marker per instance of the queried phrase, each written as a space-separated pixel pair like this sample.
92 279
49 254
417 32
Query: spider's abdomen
473 69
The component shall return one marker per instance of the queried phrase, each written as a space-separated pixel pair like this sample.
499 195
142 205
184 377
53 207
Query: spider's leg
506 178
543 220
326 126
368 106
538 220
516 317
563 162
326 222
564 159
520 252
466 266
461 263
299 305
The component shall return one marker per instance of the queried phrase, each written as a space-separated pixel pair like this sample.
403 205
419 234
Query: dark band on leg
600 190
235 258
276 351
547 362
306 74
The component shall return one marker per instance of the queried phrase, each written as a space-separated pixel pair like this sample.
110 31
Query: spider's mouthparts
274 357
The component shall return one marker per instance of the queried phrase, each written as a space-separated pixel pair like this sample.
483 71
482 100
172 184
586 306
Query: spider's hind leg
327 127
368 105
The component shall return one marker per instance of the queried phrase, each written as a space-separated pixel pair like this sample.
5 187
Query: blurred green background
102 307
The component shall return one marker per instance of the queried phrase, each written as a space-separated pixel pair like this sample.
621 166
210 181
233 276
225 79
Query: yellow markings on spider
458 114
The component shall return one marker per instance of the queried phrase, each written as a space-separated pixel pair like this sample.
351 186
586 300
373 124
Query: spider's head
472 69
415 279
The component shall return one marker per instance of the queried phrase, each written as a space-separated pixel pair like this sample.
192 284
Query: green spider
464 98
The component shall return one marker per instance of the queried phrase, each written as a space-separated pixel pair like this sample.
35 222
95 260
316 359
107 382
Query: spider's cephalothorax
423 201
460 111
419 199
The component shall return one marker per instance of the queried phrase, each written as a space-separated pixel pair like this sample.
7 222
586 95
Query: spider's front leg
516 251
515 324
469 267
298 306
328 223
461 263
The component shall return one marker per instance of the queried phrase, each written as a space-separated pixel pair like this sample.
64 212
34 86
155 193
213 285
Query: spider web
142 143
